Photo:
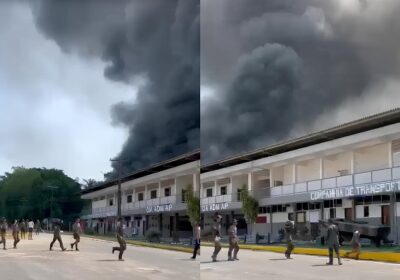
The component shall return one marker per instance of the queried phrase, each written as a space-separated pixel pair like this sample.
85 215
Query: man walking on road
3 231
15 233
355 245
22 228
197 241
57 235
121 240
289 229
38 227
77 230
332 240
233 241
217 236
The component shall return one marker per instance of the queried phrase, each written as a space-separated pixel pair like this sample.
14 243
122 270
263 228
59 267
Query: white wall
308 170
371 158
374 211
337 162
279 217
288 174
238 182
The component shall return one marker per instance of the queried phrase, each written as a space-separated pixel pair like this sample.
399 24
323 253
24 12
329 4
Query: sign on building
159 208
362 190
214 207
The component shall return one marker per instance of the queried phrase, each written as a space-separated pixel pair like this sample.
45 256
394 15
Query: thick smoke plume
152 41
280 69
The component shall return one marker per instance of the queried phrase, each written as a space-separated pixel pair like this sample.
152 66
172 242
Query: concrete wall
336 162
288 174
308 170
371 158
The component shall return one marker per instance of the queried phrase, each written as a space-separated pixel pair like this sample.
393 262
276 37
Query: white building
351 171
152 199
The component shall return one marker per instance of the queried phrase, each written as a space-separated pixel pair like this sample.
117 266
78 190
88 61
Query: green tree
249 207
193 206
26 193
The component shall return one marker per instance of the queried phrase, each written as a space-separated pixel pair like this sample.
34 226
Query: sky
84 82
279 69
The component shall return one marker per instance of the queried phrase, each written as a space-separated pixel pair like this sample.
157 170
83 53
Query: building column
215 188
271 178
250 181
195 182
159 191
174 188
321 168
390 158
145 193
294 173
352 162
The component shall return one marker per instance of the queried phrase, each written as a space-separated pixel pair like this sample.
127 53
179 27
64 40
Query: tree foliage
249 205
193 206
26 193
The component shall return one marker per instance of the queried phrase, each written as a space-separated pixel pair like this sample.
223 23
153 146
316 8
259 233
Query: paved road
265 265
33 261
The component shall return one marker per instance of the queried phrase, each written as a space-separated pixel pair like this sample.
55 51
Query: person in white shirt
31 225
197 241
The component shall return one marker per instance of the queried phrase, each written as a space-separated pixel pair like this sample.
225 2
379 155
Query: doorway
385 215
348 213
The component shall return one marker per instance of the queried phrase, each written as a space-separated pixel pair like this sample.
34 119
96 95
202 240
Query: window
129 199
278 183
262 210
111 202
167 191
332 213
140 196
153 194
209 192
366 211
223 190
238 194
183 196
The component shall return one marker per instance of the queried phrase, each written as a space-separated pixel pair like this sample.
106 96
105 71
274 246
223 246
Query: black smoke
156 41
277 68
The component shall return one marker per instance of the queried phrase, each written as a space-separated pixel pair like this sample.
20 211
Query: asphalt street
256 265
33 260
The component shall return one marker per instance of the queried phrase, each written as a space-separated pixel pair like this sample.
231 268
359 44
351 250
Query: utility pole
119 196
51 204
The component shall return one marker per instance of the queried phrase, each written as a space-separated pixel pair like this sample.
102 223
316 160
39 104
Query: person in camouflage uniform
120 239
332 240
289 231
217 236
77 230
57 235
15 233
3 231
233 241
355 245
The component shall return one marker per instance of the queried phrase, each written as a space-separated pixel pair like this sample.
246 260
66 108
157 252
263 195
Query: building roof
155 168
346 129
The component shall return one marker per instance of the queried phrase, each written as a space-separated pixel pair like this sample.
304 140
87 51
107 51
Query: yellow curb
370 256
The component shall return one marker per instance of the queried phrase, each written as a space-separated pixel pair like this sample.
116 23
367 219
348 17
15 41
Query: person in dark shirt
120 239
57 235
289 230
233 241
332 240
3 231
15 233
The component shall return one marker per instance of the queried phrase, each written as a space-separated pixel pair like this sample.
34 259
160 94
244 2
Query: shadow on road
107 260
281 259
215 262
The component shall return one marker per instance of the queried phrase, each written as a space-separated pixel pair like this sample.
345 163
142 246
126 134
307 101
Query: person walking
3 232
22 228
77 230
57 235
355 245
217 236
332 240
289 230
15 233
31 224
120 239
233 241
38 227
196 241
